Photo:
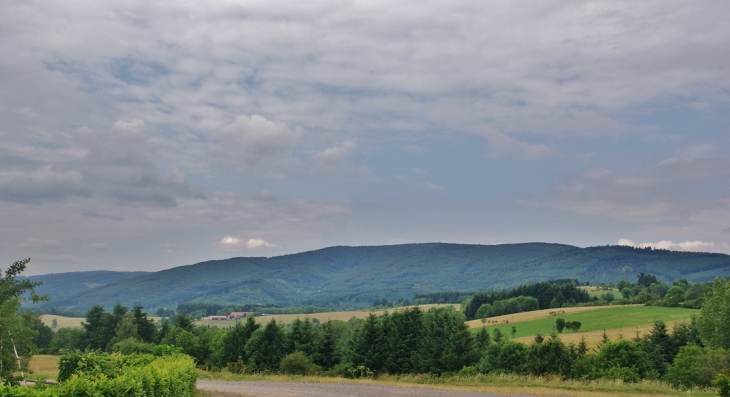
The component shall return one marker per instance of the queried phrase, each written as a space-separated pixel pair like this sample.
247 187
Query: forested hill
349 277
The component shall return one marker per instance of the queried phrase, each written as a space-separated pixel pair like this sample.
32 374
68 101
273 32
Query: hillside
64 285
352 277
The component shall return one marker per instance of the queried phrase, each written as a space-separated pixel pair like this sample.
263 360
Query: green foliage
296 363
266 347
560 324
713 322
15 333
697 367
504 357
133 346
524 298
549 357
173 376
722 383
446 345
621 360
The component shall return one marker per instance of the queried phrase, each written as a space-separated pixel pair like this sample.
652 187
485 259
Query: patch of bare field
44 365
62 322
533 315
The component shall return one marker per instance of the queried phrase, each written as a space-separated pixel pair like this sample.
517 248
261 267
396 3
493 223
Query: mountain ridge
354 276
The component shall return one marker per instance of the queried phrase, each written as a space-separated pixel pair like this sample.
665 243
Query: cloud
431 186
673 189
230 242
258 243
40 243
255 143
726 230
333 156
693 246
501 145
119 163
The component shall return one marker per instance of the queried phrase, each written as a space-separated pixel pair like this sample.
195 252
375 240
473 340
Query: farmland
625 320
321 317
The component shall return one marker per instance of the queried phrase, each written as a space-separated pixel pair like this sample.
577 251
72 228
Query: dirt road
301 389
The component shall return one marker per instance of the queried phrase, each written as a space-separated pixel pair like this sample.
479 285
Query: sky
139 135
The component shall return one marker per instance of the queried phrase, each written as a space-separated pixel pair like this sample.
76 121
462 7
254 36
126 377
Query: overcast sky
138 135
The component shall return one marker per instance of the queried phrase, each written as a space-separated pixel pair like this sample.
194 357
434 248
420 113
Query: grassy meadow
616 320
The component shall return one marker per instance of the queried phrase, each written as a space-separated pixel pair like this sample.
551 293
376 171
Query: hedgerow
144 375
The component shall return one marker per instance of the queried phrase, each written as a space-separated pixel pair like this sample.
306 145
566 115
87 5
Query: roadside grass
321 317
618 319
495 383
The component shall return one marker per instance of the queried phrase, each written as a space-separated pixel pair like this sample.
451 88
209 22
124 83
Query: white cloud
693 246
333 156
230 242
258 243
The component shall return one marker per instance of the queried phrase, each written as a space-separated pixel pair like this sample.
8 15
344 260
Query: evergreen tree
551 357
405 330
327 356
234 342
266 347
368 345
302 337
447 344
145 325
97 328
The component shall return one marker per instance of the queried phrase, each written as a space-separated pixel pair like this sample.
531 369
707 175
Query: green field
627 318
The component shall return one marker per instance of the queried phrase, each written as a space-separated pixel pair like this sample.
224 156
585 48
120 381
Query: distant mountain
64 285
347 277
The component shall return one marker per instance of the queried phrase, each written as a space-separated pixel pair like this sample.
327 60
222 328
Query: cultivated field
534 315
321 317
43 366
62 322
616 320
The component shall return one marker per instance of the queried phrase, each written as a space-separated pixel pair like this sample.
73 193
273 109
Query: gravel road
297 389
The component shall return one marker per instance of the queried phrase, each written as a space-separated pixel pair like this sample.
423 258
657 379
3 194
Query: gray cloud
118 163
255 143
672 199
726 230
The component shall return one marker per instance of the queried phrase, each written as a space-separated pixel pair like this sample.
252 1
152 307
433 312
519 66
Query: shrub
695 366
236 367
722 382
295 364
133 346
172 376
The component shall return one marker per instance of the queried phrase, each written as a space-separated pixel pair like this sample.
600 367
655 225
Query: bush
133 346
236 367
295 364
173 376
722 382
695 366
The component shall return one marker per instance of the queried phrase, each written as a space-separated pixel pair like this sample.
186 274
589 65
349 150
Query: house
217 317
237 315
